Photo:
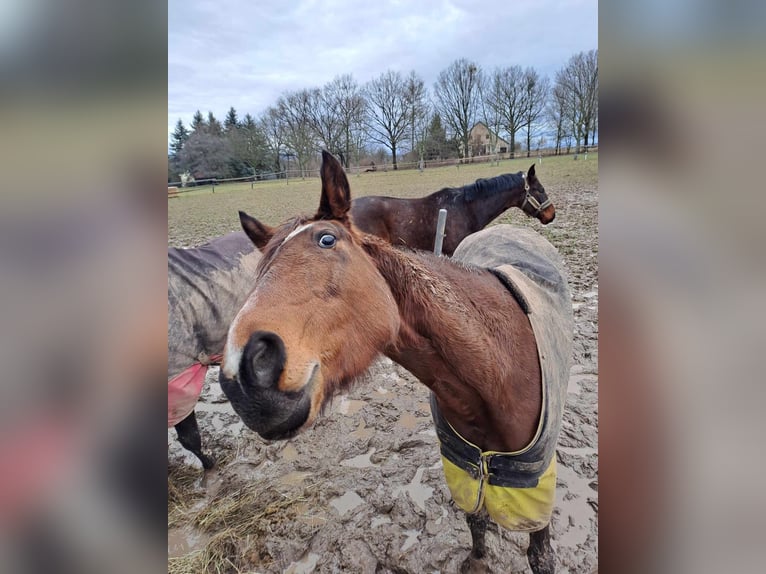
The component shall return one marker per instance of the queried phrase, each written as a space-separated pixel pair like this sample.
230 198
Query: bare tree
591 71
557 114
273 129
490 113
579 79
457 98
507 99
536 90
294 112
345 97
387 111
324 119
419 112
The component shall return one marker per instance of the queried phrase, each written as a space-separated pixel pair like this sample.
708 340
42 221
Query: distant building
481 140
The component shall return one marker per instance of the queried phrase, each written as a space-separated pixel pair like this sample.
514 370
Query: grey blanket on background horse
207 287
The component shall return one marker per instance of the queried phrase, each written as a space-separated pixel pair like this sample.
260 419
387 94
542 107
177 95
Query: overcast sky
242 53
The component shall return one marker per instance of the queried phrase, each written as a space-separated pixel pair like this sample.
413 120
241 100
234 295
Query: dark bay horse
489 333
412 222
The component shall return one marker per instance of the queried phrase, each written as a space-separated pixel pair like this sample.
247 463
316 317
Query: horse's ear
259 233
531 173
336 193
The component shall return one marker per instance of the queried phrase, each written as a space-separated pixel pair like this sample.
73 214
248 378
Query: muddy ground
363 490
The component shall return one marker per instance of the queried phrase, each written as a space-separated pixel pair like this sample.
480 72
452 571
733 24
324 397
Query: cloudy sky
245 53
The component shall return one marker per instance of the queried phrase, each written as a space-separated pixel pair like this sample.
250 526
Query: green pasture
199 215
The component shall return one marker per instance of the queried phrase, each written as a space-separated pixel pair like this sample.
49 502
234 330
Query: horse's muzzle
255 396
547 215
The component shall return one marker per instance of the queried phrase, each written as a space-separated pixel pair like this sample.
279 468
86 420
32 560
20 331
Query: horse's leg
190 439
542 558
477 523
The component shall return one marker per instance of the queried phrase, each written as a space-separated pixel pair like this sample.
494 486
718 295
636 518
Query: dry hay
240 518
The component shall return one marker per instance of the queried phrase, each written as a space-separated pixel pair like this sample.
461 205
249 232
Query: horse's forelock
276 241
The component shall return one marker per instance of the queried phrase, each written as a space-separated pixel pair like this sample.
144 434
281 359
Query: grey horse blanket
207 286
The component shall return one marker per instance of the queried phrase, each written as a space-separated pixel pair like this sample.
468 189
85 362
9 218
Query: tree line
394 116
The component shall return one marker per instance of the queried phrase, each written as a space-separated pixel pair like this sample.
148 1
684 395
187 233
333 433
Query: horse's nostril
262 360
260 348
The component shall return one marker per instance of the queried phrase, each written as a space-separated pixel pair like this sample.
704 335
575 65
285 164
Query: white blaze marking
295 232
230 365
233 357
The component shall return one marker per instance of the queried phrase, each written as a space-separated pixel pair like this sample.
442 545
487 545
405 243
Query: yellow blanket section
519 509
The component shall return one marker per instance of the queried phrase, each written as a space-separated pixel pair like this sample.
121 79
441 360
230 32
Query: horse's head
318 315
536 202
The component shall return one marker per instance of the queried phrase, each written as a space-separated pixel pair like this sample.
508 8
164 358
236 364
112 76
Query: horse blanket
207 286
517 488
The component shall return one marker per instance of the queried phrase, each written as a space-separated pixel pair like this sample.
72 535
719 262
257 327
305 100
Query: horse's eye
327 241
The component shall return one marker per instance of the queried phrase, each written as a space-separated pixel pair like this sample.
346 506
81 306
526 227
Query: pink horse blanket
184 390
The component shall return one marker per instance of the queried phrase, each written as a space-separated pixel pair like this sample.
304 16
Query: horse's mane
484 187
414 272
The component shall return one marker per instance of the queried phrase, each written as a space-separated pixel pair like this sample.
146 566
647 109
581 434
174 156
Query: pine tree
213 125
436 145
231 122
248 123
198 124
180 135
250 146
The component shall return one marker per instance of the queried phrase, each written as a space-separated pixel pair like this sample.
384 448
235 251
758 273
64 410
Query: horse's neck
488 198
459 326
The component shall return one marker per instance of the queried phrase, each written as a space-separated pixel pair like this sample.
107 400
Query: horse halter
528 199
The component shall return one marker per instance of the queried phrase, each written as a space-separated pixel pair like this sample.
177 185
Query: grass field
200 215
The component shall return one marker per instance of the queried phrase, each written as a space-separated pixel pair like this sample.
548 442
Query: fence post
214 186
440 224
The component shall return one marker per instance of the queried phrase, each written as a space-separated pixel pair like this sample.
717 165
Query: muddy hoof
208 461
542 563
473 565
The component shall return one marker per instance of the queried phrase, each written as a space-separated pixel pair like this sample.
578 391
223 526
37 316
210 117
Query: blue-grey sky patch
226 53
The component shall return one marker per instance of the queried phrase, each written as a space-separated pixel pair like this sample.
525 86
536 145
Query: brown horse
328 299
412 222
208 284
